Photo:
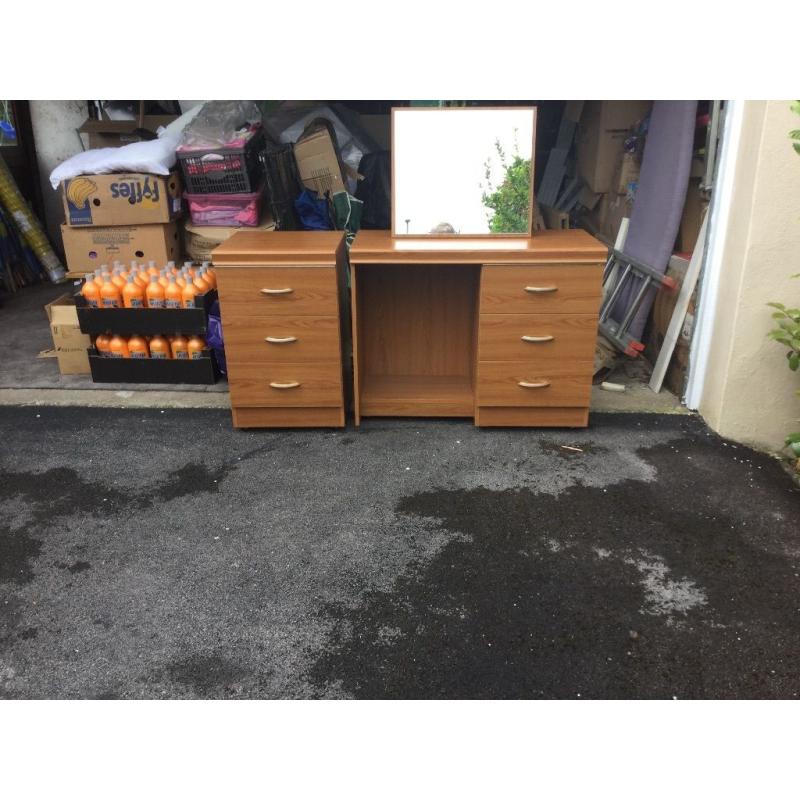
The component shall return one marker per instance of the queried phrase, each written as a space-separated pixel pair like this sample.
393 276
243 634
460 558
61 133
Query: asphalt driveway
151 554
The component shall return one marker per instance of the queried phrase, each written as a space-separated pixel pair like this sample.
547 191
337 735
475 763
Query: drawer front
538 337
526 383
286 385
282 339
278 290
545 289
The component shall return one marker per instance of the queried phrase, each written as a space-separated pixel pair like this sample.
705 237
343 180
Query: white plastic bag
156 156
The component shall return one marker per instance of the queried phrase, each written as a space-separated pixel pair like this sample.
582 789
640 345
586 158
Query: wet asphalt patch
644 557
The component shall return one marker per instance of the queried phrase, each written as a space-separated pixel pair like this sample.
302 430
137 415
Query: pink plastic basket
234 210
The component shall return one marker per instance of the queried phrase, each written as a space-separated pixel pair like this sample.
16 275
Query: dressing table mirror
462 172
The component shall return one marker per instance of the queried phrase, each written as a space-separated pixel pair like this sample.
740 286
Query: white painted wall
749 394
55 134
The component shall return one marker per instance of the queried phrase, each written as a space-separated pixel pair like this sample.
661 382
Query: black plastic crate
226 170
152 370
146 321
283 185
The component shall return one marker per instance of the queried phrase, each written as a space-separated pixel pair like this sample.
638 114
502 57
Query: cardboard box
626 172
602 130
130 198
660 317
88 248
116 133
317 161
199 241
693 208
70 344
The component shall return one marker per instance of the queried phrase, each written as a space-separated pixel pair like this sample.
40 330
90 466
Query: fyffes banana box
131 198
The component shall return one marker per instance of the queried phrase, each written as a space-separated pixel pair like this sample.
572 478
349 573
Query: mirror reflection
462 171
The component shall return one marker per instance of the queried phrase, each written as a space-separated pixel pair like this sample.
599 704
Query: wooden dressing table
498 330
501 330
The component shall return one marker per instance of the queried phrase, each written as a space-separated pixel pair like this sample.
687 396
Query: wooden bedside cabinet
283 320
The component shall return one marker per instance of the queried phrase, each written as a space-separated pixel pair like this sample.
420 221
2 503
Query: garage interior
600 146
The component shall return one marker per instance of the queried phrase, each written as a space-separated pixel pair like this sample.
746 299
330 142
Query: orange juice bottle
172 294
196 347
152 269
188 266
141 277
90 291
137 346
119 347
133 294
118 279
98 275
159 347
154 293
209 276
201 284
180 347
163 278
103 344
110 294
188 294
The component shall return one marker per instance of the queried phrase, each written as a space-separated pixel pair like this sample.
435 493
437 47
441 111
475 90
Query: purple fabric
214 338
661 193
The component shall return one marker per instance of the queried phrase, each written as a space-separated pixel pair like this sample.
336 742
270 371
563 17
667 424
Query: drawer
297 384
521 383
282 339
545 289
261 417
277 290
537 337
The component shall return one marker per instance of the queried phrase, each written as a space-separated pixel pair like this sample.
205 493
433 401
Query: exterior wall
55 135
749 393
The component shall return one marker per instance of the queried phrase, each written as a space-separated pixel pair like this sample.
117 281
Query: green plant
510 201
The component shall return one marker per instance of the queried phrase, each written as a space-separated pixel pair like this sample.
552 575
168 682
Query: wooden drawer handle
290 385
541 289
280 339
528 385
287 290
538 338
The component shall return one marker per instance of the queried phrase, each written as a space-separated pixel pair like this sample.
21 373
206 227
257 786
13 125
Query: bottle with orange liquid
163 278
118 279
196 345
152 269
90 291
110 294
141 277
154 293
119 347
180 346
172 294
138 347
133 294
98 275
159 347
102 344
201 284
209 276
188 294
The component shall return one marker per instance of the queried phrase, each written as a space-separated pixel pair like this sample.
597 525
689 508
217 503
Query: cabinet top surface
278 247
546 246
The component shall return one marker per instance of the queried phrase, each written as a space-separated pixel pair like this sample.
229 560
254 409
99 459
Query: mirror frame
463 109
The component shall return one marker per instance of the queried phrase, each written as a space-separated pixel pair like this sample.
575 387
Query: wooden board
500 337
260 291
286 339
566 384
562 247
417 320
260 417
278 247
417 396
319 384
546 289
493 416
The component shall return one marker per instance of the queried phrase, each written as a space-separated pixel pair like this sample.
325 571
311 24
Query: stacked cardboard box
120 217
606 169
